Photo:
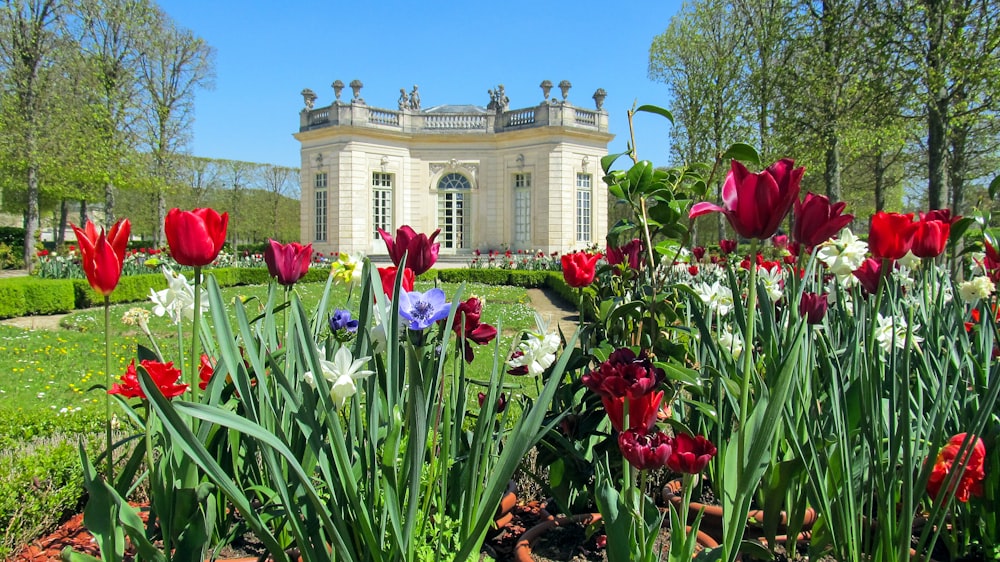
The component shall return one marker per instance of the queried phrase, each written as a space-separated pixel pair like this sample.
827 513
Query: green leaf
959 228
656 110
608 160
994 187
742 152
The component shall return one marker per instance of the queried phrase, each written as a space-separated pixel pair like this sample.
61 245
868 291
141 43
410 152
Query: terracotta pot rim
522 550
754 517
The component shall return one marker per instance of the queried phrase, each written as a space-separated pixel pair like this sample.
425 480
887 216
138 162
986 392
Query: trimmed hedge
24 296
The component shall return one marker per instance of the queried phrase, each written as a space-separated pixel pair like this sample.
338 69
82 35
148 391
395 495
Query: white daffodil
773 282
538 352
892 331
976 288
843 254
340 374
731 342
177 300
717 296
909 261
347 269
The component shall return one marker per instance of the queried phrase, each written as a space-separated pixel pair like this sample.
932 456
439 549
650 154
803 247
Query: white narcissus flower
773 280
717 296
731 342
909 261
976 288
843 254
539 352
177 300
340 374
892 331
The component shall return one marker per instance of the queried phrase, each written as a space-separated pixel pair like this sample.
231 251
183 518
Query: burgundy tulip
755 204
813 307
690 455
699 252
420 250
727 246
624 374
817 220
869 274
467 315
287 262
629 254
891 235
645 451
195 237
103 254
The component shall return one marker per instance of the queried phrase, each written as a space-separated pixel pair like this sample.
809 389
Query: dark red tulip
869 275
930 235
727 246
420 250
699 252
287 262
501 401
690 455
780 241
624 374
468 314
629 254
891 235
103 254
195 237
813 307
645 450
755 204
816 220
579 268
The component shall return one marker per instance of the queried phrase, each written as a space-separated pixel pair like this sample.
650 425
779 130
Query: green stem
196 335
747 363
107 397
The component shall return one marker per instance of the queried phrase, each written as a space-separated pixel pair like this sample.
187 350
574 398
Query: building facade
488 177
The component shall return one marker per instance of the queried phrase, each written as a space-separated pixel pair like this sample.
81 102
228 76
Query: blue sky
267 52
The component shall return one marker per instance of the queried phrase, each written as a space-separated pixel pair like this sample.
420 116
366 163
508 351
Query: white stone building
489 178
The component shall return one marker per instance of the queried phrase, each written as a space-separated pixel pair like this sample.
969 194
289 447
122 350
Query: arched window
453 198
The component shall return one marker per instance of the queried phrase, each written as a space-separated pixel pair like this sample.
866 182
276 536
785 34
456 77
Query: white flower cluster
891 332
976 288
341 374
177 300
843 254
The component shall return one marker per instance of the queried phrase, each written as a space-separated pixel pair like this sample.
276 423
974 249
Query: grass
51 375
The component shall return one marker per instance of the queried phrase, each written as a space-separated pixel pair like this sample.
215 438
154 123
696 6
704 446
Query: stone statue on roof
415 99
404 102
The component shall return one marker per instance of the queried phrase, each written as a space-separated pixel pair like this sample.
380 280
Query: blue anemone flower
341 320
420 310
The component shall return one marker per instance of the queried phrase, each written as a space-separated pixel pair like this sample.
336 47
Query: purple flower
421 310
341 320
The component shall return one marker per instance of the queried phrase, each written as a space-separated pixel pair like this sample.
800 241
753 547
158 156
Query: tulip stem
196 335
748 347
107 397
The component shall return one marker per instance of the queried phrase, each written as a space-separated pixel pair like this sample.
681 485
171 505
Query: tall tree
174 63
277 181
111 33
28 42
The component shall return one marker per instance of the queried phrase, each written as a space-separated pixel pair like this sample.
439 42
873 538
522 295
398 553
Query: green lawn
48 375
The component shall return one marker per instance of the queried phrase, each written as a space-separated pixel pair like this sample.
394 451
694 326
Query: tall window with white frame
453 199
381 203
320 207
584 210
522 209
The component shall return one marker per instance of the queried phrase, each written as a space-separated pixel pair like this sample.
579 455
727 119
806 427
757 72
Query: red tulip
388 275
624 374
690 454
891 235
930 235
287 262
642 410
420 250
813 307
195 237
970 482
103 254
699 252
164 375
645 451
579 268
816 220
755 204
205 371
